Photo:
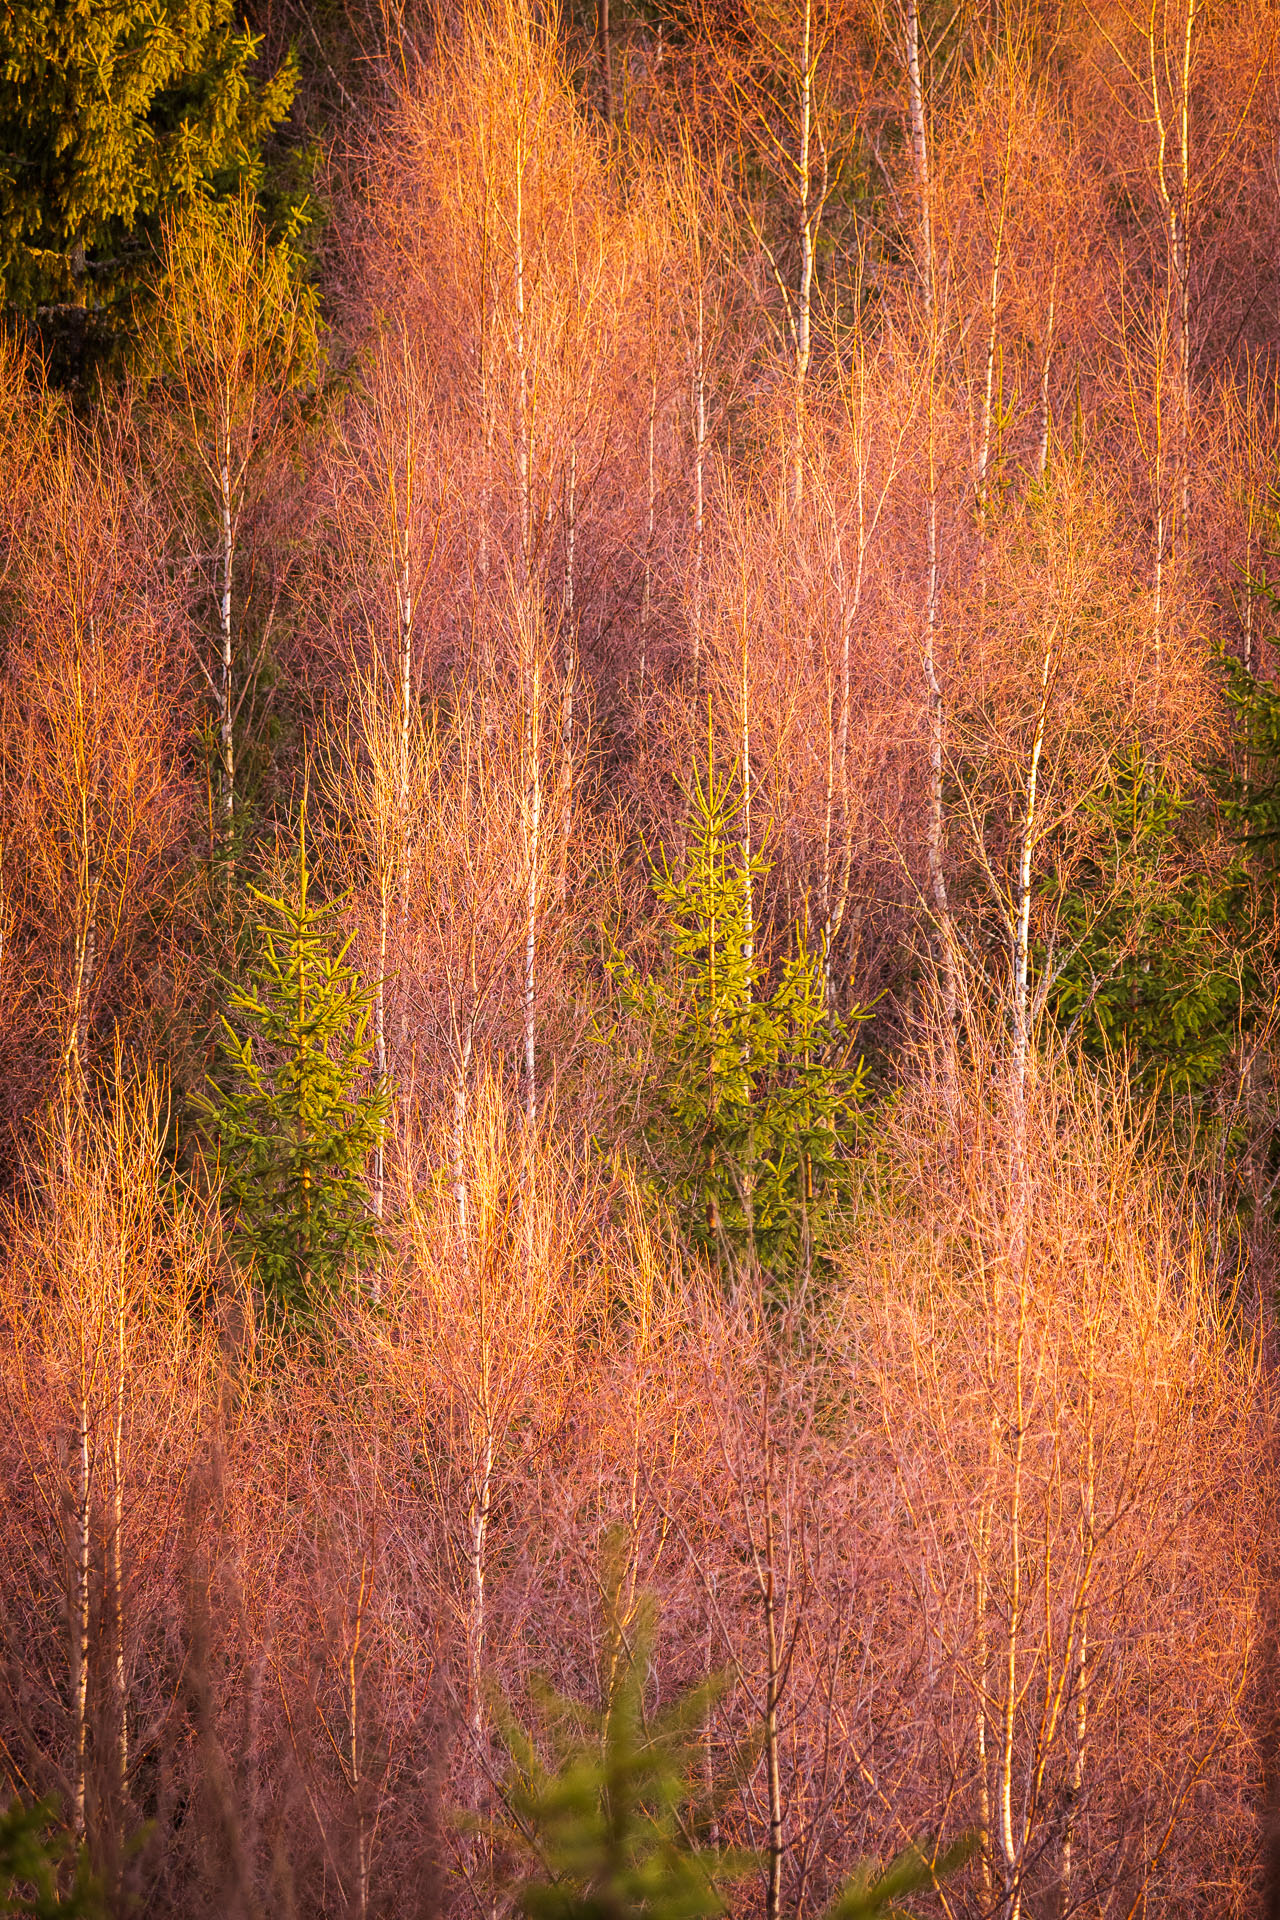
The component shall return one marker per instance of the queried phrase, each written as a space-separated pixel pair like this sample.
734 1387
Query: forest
639 959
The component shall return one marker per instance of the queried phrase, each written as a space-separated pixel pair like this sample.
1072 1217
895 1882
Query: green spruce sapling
609 1824
294 1118
40 1875
753 1092
1155 959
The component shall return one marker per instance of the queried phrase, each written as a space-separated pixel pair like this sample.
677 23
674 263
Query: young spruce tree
753 1092
294 1127
1156 952
34 1877
610 1827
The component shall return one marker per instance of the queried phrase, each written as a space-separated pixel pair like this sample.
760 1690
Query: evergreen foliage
612 1819
31 1853
1168 953
606 1819
753 1093
1253 805
111 114
1154 936
876 1893
294 1127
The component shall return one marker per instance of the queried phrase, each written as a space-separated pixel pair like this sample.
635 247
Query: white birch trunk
380 1042
699 471
115 1567
524 428
919 154
478 1512
646 596
937 709
533 831
459 1167
567 704
79 1610
807 224
1046 419
224 697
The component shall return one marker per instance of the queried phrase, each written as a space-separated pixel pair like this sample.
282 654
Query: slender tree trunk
987 1579
938 894
225 700
828 844
1046 418
84 961
1173 183
85 941
524 430
941 906
744 694
708 1764
1249 591
982 1660
604 43
478 1513
646 596
699 471
837 866
115 1572
1009 1848
394 857
486 411
748 948
807 224
919 155
773 1900
568 700
79 1610
1182 263
988 397
380 1038
404 673
1021 969
459 1168
1161 542
1075 1778
355 1777
533 831
571 537
767 1580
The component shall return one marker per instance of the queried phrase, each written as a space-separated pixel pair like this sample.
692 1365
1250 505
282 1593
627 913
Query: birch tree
1048 1449
787 94
107 1389
94 736
235 335
487 1319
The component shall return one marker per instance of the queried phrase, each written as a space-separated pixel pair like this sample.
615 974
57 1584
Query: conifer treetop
112 114
295 1118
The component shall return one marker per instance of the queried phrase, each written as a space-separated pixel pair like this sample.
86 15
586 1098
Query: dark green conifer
294 1119
1153 935
112 113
